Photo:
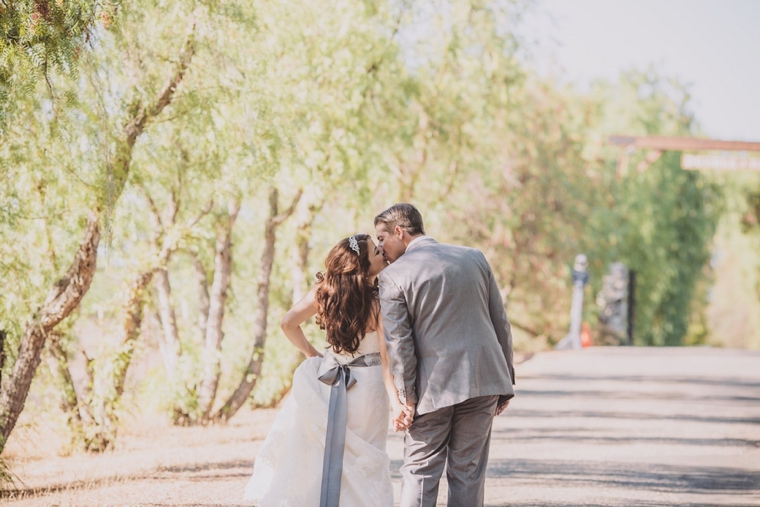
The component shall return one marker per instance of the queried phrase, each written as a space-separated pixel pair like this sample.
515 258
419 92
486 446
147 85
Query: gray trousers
456 436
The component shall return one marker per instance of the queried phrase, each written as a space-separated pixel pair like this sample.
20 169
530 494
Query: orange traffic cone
586 340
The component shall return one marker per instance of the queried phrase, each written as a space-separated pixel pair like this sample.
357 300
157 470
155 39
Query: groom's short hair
403 215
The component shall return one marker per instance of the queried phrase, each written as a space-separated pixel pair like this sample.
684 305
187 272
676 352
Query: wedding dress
288 469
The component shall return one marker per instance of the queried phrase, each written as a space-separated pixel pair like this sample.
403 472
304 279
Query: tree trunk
170 343
218 298
262 308
108 385
69 402
203 299
183 413
61 300
69 290
300 266
299 274
130 331
2 354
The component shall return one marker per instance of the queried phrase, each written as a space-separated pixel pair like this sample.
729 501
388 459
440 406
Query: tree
40 37
253 370
660 221
69 290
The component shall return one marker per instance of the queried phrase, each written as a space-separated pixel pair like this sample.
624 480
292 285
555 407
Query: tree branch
205 211
142 116
278 219
158 224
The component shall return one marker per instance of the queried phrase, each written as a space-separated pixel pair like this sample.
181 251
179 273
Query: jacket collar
417 242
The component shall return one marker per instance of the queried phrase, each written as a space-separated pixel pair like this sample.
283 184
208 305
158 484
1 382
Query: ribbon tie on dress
340 379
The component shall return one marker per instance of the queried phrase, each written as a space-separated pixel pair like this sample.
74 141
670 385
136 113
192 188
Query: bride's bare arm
291 324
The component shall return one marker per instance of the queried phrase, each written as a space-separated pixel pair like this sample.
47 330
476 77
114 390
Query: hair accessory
354 244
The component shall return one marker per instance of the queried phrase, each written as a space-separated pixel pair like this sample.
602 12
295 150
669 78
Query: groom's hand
502 404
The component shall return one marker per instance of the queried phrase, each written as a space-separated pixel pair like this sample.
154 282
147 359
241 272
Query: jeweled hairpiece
354 244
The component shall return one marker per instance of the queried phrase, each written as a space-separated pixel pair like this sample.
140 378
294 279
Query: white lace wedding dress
288 469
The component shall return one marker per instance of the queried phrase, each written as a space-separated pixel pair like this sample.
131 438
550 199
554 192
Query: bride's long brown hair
346 300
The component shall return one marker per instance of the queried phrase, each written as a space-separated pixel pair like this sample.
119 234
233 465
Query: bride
327 444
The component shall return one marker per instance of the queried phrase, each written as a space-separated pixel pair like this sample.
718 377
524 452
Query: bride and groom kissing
417 334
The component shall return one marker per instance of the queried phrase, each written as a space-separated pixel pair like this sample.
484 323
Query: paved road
628 427
601 427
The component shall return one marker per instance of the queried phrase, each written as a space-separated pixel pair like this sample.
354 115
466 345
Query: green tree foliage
110 149
750 222
659 220
44 36
666 239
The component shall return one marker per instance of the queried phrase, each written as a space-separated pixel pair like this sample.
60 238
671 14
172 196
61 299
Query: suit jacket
445 326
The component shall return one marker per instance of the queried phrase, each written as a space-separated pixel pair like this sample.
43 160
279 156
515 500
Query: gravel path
599 427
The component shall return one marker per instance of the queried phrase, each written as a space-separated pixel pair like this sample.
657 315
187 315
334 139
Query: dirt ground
605 426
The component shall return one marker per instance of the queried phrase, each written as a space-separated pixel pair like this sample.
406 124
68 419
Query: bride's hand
402 416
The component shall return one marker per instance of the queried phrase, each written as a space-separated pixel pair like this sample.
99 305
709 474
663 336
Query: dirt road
599 427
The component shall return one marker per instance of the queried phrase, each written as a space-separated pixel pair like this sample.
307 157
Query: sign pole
580 278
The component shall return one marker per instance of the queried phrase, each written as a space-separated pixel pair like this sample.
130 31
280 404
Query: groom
451 356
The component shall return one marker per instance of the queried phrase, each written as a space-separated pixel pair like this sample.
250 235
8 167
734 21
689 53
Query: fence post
631 304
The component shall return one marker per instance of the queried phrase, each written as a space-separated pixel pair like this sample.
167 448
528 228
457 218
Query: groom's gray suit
451 353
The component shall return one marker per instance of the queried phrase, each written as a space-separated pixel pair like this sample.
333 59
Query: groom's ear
398 232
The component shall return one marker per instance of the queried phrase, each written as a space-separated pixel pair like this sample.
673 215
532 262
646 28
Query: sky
713 46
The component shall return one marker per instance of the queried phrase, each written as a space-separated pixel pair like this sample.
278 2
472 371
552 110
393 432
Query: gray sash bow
340 379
